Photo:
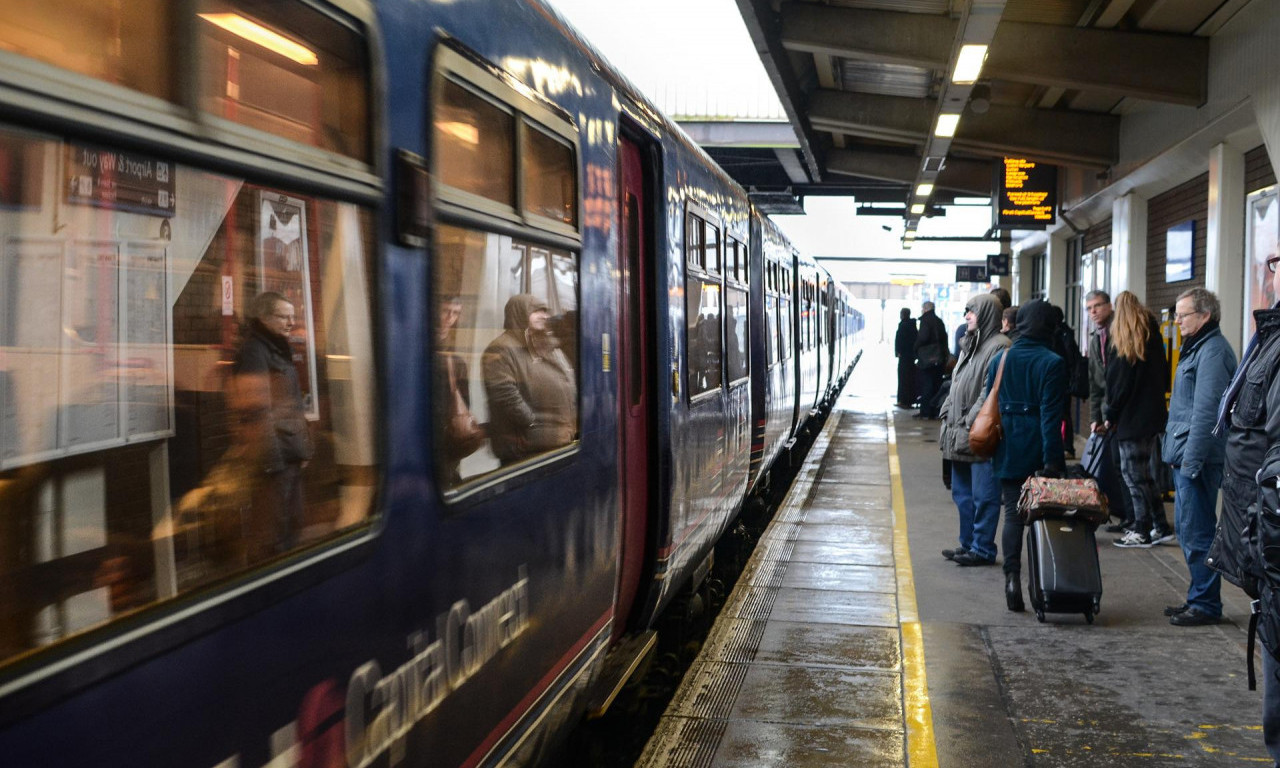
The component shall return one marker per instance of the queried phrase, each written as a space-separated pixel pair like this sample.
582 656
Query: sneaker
1134 539
1193 617
1159 537
1123 526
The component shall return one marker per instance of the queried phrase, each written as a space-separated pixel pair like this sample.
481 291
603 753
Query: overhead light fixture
969 64
910 234
906 245
924 190
260 35
947 122
917 209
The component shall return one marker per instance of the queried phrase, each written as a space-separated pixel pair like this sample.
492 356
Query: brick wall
1258 172
1097 236
1183 202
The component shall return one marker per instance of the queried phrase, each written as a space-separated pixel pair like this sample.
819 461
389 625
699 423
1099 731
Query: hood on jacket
988 309
1036 320
518 309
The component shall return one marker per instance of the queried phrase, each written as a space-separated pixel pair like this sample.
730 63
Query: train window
474 144
286 69
693 234
770 340
711 249
736 333
188 384
786 329
703 320
124 42
505 352
550 177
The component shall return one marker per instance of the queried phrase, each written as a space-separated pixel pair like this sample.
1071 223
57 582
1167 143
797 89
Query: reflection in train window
704 326
735 334
505 380
187 382
550 177
474 144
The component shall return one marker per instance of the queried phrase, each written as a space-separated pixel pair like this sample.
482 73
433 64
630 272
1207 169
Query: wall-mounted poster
1179 251
283 267
1262 238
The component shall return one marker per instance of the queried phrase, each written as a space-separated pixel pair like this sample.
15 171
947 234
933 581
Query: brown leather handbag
986 434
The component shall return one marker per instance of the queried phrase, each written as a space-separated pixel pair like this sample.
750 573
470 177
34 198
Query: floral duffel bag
1075 499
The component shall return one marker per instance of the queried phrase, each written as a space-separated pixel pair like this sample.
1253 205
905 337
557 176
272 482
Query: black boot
1013 592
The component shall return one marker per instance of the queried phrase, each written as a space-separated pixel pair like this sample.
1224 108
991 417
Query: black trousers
930 383
1011 535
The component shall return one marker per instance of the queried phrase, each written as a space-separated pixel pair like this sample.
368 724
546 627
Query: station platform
850 641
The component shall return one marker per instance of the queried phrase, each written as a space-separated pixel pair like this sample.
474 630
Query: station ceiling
861 80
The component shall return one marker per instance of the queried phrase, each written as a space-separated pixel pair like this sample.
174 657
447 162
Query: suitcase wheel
1088 616
1097 605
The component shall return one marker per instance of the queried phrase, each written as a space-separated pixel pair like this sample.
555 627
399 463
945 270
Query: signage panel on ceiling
1026 194
998 265
967 273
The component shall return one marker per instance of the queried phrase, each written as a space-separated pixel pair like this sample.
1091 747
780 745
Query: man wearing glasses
1194 452
1249 417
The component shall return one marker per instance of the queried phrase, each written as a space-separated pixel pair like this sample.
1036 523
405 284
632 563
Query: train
534 352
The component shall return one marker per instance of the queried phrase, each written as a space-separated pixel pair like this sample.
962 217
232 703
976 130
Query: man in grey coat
1205 368
974 488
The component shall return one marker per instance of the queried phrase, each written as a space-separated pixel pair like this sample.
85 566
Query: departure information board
1026 194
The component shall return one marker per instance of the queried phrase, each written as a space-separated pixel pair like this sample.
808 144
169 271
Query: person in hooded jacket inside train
1033 388
974 488
531 386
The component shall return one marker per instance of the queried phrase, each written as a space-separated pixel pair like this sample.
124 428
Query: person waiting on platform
1009 322
974 488
931 351
1136 376
904 348
1194 452
1032 390
531 387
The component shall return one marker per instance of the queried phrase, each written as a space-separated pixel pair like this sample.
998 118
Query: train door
635 367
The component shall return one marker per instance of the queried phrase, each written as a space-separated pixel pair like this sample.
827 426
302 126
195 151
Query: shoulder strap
995 386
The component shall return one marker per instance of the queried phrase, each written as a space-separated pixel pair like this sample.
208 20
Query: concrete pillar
1022 277
1224 241
1129 246
1055 277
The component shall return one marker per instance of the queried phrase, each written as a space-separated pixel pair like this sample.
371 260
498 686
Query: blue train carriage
773 350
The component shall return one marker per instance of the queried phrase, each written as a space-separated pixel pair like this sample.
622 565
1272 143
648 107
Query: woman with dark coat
904 348
1032 391
1137 376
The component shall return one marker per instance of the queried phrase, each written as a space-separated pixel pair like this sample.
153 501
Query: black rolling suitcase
1062 556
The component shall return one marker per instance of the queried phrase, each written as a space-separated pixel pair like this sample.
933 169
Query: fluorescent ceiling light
910 235
918 208
924 190
973 201
256 33
969 64
947 122
906 245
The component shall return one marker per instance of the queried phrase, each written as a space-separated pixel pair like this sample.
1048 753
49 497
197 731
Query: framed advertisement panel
283 264
1261 240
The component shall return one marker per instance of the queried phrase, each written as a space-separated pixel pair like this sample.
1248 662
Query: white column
1021 263
1129 246
1224 241
1055 277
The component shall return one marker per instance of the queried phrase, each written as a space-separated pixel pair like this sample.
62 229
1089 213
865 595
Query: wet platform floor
850 641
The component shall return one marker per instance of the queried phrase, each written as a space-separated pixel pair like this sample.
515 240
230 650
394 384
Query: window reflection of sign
107 178
1180 242
283 267
1026 194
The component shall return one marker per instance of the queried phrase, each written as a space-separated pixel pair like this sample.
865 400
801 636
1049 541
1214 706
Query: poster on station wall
1026 194
283 264
143 361
1262 241
32 271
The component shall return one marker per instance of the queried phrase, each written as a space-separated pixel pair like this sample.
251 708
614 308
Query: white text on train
382 710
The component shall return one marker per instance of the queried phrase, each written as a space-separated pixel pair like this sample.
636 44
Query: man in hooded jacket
531 387
973 486
1032 391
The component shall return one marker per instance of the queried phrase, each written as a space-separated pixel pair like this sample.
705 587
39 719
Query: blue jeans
1195 515
976 492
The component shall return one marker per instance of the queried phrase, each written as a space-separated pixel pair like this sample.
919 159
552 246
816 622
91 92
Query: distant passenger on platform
531 388
931 350
904 348
1032 390
957 337
974 487
1194 452
1009 322
1136 379
1249 416
1006 301
1100 352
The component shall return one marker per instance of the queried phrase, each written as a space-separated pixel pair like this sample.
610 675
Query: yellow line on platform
922 750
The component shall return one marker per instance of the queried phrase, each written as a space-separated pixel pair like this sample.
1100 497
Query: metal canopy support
967 176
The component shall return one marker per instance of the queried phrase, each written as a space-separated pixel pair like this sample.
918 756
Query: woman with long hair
1137 375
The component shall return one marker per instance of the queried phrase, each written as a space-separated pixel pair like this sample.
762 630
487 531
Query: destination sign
967 273
1026 194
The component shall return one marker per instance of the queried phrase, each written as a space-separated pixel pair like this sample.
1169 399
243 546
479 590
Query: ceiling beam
1143 65
1056 136
968 176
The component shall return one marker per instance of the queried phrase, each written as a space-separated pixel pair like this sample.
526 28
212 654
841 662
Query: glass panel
693 241
504 380
565 272
538 276
286 69
703 334
711 249
785 328
126 42
736 332
550 177
474 142
770 321
187 387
